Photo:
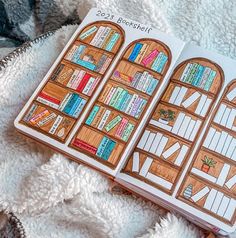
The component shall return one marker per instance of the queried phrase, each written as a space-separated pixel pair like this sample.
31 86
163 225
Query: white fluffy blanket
57 198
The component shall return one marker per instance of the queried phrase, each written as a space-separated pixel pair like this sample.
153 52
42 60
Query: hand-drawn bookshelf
210 183
64 96
118 110
175 123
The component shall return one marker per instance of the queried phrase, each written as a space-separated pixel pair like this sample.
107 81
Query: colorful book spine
116 96
49 98
104 119
120 100
135 52
210 80
65 101
131 103
87 33
93 86
108 150
99 116
115 37
152 86
186 72
70 103
102 146
192 73
141 54
135 107
76 56
78 79
83 145
121 128
71 52
92 115
83 82
205 76
126 102
105 93
198 76
108 39
88 85
97 35
142 80
147 83
149 58
39 116
56 124
157 61
115 121
140 109
136 79
57 71
86 64
127 131
103 36
74 106
162 64
110 95
79 109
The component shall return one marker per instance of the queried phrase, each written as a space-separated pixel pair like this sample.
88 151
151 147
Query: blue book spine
198 77
162 63
210 80
108 150
78 53
79 108
86 64
70 104
152 86
134 54
102 146
126 102
92 115
157 61
112 42
75 105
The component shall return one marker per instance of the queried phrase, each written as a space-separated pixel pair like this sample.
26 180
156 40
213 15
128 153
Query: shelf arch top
201 73
150 53
230 92
106 35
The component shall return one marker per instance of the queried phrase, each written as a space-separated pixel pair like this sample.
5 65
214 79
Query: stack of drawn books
154 113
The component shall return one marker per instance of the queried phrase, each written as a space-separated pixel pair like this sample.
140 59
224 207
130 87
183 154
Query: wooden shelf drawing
123 101
176 121
75 79
214 165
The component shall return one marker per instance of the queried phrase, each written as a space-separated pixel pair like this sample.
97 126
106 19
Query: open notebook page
187 151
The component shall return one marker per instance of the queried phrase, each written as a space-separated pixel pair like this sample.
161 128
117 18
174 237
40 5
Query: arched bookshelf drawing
120 107
210 183
64 96
175 123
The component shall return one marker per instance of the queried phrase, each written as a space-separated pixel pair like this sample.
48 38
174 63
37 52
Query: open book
152 112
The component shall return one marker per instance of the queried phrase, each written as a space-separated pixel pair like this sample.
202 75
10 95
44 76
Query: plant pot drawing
205 168
166 116
207 163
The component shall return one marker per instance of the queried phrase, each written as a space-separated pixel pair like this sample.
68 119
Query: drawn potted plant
207 164
166 116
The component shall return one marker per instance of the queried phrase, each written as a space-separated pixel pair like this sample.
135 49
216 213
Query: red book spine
83 82
83 145
49 98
